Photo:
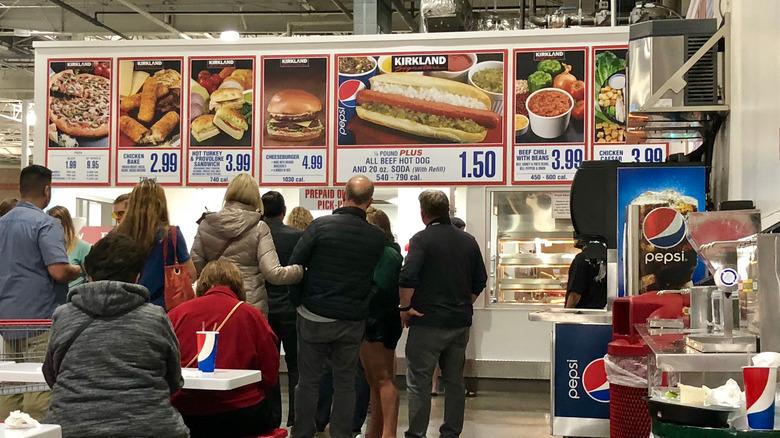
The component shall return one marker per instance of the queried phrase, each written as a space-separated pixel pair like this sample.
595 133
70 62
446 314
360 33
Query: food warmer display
532 246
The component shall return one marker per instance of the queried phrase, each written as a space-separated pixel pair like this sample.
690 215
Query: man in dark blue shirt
33 265
443 274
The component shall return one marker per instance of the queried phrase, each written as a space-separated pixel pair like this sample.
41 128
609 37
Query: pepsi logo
594 381
348 91
664 227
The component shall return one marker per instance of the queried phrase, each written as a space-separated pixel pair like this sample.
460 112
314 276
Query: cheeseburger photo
428 107
293 116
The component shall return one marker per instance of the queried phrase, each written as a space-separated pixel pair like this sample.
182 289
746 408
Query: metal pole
522 14
613 13
24 160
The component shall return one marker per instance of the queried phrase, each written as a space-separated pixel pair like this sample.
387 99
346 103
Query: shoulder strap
174 238
70 342
233 239
218 329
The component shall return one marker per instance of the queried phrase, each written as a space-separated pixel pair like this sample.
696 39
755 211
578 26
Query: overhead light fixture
229 35
31 118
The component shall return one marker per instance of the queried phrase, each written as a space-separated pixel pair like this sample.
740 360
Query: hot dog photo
294 92
550 96
221 98
149 103
401 99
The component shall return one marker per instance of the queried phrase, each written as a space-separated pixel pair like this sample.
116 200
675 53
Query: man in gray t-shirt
33 264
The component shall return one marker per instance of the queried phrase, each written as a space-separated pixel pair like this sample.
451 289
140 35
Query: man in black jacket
442 276
281 312
339 253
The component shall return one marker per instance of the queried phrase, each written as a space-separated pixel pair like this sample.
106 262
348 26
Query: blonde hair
62 213
379 219
147 212
221 273
299 218
244 189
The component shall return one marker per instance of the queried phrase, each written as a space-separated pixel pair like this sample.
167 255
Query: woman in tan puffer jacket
251 246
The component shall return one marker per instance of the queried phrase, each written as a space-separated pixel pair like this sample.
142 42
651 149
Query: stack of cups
207 351
760 384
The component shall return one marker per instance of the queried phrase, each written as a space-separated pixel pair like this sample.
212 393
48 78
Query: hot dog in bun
428 106
294 116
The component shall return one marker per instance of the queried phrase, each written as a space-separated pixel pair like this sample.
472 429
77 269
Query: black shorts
385 329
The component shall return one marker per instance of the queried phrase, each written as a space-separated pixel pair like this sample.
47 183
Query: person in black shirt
587 287
281 312
442 276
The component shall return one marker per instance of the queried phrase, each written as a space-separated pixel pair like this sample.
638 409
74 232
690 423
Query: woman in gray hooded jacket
113 360
237 234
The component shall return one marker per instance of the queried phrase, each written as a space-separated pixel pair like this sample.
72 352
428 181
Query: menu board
549 116
293 145
78 120
219 119
609 98
149 127
421 118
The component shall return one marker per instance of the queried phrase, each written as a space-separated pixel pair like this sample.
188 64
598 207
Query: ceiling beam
344 9
87 18
405 15
132 6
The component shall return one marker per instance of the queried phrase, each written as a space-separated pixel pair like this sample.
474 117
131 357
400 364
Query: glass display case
532 246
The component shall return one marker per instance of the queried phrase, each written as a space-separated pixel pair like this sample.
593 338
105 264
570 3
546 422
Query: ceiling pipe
87 18
153 19
405 15
343 9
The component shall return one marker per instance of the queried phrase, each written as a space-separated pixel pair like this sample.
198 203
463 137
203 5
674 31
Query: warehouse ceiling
23 22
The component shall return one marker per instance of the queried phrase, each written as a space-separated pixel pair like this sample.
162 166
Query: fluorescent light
229 35
31 118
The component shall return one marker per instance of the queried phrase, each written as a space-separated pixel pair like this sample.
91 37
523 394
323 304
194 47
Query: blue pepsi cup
349 85
207 351
760 385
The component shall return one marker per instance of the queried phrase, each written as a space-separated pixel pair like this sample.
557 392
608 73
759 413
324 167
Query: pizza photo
79 106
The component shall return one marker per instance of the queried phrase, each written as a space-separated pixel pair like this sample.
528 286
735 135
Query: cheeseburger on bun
294 116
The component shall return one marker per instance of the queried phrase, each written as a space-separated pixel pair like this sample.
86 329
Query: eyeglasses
118 215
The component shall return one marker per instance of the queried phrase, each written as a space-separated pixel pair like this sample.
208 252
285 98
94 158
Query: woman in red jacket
245 342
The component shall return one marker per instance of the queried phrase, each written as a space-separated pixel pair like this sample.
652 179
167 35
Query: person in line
587 286
7 205
113 360
147 223
281 312
443 274
34 269
76 248
237 234
120 207
245 342
339 253
461 225
299 218
383 329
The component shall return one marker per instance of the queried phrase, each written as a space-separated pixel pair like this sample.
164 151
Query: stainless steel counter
577 316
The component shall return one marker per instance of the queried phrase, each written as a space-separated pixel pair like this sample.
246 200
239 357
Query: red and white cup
760 385
207 351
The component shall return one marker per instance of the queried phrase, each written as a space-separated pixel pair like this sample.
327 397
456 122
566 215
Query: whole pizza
79 104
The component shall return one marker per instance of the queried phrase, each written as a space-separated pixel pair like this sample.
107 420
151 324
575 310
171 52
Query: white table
45 431
219 380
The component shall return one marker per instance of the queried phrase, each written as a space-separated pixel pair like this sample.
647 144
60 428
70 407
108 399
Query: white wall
754 121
